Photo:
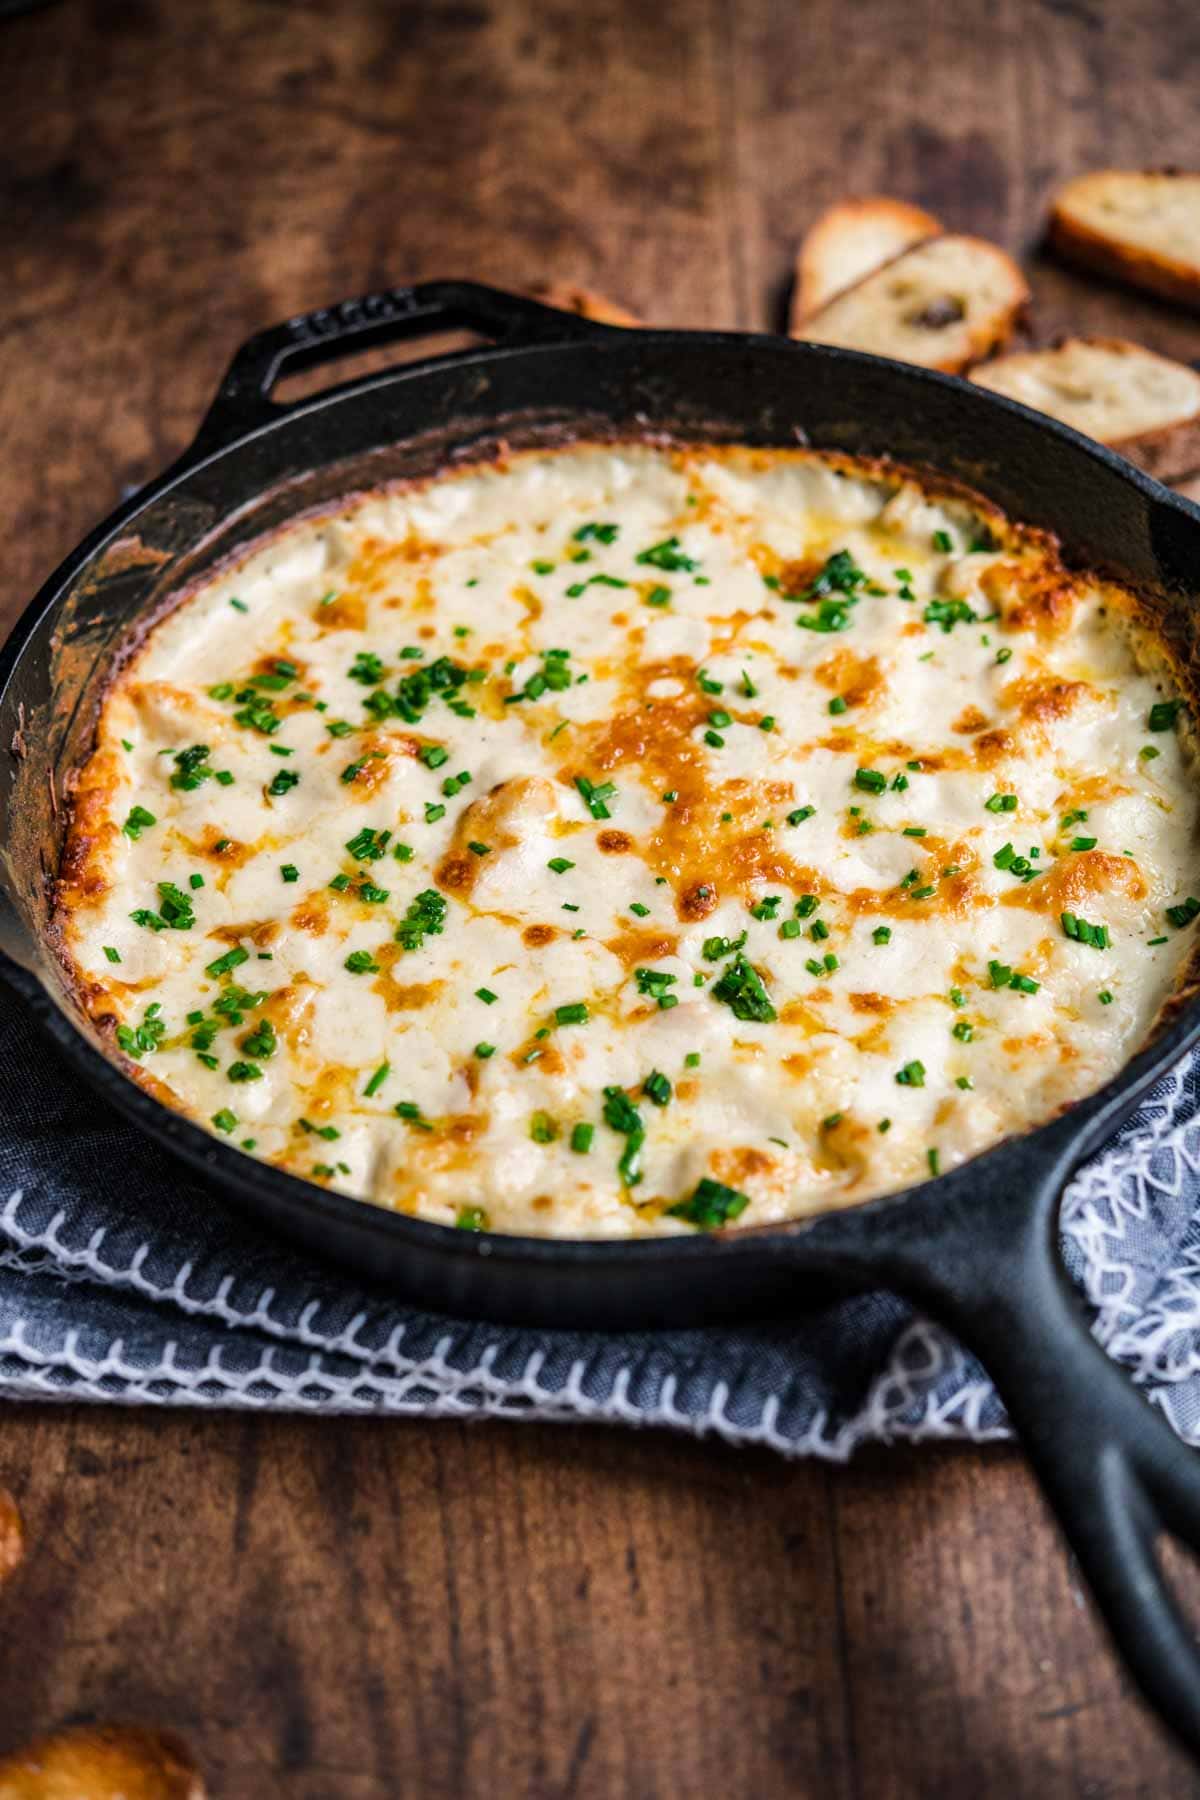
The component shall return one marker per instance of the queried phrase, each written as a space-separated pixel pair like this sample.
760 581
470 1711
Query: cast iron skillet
977 1246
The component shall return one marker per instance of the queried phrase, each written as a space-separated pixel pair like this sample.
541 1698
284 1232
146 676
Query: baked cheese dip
619 839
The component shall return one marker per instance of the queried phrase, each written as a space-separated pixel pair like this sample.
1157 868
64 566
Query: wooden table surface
365 1608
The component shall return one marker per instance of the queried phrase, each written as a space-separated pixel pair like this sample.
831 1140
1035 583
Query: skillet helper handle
1115 1474
391 315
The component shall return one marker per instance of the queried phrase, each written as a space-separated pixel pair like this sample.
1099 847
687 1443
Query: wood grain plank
370 1608
177 177
973 1645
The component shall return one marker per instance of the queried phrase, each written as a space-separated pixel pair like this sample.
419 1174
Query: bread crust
585 302
103 1762
1081 242
1169 451
842 236
12 1536
952 345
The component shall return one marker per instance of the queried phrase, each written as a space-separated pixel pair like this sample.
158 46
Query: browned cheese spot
970 721
503 818
635 946
1033 592
1072 881
400 995
740 1163
858 679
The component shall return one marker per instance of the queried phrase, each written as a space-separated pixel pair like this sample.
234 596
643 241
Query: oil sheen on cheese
619 840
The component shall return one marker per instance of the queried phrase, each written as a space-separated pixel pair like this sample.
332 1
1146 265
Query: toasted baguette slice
1137 226
943 304
584 301
847 242
1143 405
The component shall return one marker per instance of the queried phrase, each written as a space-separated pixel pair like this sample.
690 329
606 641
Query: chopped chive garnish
710 1205
377 1080
361 962
1163 715
559 865
426 916
741 989
837 705
483 1051
114 956
801 813
479 849
487 996
231 960
574 1013
225 1120
963 1030
1182 915
1081 932
657 1088
666 555
581 1137
911 1075
882 934
137 822
1105 997
594 797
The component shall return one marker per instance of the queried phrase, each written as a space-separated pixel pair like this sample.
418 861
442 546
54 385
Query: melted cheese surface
618 840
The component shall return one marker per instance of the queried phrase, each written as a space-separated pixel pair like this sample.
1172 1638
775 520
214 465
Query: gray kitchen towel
124 1278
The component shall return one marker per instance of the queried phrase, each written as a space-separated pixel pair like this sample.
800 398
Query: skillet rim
1073 1132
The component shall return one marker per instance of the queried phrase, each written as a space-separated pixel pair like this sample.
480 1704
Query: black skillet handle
1114 1472
244 401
